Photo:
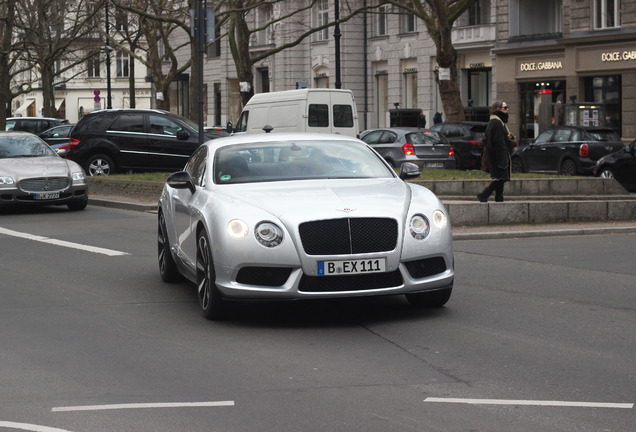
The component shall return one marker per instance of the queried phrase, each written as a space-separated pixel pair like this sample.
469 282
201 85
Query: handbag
484 160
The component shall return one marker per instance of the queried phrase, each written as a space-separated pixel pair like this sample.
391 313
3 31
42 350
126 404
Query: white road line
143 405
30 427
62 243
530 402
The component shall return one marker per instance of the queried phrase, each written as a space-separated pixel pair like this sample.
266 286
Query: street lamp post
107 48
336 36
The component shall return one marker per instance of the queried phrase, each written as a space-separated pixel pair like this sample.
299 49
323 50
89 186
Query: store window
531 97
606 13
410 89
479 87
606 90
526 19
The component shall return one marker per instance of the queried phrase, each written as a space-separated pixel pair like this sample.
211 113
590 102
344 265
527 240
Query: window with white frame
320 17
263 15
122 60
93 67
379 21
407 23
606 13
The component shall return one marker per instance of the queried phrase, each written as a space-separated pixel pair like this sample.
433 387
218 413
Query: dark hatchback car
423 147
620 166
567 150
105 142
466 139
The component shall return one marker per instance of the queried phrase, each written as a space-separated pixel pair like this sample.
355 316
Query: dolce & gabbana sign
541 66
617 56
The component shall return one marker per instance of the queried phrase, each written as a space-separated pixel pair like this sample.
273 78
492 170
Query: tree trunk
48 94
131 83
449 89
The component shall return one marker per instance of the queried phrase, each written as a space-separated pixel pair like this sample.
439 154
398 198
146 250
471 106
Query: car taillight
408 149
583 150
71 144
473 142
451 151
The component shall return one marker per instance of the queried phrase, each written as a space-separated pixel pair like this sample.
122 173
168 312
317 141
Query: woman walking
497 150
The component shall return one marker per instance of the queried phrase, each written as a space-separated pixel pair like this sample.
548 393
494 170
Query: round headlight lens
268 234
419 227
237 228
439 219
6 180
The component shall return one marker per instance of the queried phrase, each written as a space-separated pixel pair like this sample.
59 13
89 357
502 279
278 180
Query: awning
20 112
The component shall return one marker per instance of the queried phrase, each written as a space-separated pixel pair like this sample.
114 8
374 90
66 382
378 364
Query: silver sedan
301 216
31 173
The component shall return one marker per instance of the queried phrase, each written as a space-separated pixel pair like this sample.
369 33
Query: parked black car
620 165
35 125
423 147
466 139
107 141
567 150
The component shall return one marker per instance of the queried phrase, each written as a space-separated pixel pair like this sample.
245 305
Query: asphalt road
538 336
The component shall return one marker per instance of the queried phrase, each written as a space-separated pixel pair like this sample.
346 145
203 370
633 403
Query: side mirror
409 170
183 135
229 127
181 180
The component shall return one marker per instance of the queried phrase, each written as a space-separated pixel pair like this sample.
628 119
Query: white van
319 110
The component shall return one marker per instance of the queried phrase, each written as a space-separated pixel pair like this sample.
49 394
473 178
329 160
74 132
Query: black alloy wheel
210 299
568 167
517 165
167 266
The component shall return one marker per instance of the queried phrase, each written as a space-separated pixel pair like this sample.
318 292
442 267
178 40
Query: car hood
45 166
296 201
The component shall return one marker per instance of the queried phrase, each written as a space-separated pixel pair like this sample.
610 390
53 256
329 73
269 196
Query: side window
128 123
388 138
342 116
197 164
372 137
562 135
241 125
163 126
544 137
318 115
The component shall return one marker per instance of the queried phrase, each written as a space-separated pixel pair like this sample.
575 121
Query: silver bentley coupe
301 216
31 173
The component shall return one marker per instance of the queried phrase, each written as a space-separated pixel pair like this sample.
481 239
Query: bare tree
439 16
234 17
12 60
59 36
130 40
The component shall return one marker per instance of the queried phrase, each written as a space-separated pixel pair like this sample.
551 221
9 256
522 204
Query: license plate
331 268
45 196
434 164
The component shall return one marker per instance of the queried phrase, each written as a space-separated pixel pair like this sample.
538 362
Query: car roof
37 118
16 133
131 110
400 129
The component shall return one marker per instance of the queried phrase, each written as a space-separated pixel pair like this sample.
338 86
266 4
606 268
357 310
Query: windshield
23 146
300 160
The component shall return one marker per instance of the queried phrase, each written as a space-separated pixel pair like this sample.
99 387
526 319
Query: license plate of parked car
330 268
434 164
45 196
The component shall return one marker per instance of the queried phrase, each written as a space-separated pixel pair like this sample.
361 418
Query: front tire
606 173
100 164
210 299
568 168
431 299
167 266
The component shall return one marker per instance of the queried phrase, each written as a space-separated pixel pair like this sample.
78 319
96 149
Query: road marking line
30 427
143 405
62 243
530 402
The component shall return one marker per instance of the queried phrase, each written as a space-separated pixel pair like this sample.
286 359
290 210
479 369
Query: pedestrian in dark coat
437 118
421 120
497 148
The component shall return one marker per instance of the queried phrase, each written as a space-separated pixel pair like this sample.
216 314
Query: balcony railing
474 35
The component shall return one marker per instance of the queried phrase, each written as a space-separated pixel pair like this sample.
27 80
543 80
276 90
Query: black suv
35 125
567 150
107 141
466 138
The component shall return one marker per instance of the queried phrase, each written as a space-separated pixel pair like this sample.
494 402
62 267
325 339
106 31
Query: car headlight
6 180
419 227
78 175
268 234
439 219
237 228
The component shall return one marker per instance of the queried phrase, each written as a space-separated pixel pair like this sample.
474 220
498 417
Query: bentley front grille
44 184
349 236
